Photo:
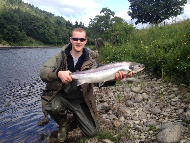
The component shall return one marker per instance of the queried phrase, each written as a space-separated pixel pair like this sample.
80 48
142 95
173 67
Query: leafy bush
164 50
3 42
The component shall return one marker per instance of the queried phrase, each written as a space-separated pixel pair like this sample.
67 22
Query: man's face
78 44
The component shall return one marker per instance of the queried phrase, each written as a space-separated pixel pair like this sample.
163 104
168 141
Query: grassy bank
164 50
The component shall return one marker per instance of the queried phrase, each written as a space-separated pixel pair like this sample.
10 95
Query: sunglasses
76 39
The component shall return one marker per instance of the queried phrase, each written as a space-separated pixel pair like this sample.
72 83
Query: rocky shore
150 109
141 109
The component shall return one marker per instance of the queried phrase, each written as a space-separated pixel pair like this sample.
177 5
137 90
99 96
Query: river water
20 89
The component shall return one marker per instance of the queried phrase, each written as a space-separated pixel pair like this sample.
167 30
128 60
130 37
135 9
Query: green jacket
48 74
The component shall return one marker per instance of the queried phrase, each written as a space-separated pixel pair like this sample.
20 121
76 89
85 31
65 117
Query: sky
83 10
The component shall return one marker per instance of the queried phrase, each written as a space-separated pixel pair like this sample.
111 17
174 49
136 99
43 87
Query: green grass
102 135
153 129
188 129
82 140
164 50
113 136
107 135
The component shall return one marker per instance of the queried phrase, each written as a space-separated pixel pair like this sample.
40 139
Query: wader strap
44 99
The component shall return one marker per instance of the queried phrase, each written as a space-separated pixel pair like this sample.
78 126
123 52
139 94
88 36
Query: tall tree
117 20
155 11
101 23
106 18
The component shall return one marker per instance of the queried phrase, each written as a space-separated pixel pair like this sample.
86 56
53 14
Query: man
63 94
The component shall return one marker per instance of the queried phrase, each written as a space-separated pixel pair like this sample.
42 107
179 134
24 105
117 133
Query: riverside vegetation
165 50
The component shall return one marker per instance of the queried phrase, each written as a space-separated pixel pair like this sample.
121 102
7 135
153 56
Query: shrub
165 51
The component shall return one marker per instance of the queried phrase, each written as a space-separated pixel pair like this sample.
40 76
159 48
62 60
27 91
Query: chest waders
71 98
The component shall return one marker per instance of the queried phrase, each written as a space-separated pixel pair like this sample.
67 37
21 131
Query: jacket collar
85 52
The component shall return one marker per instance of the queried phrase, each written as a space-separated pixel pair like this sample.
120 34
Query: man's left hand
121 75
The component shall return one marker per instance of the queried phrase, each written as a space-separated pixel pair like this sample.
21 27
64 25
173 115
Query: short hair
78 30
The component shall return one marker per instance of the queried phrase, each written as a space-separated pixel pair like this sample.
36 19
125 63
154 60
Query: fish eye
131 67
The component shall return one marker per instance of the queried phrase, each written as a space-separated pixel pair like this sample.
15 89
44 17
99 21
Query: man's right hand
65 76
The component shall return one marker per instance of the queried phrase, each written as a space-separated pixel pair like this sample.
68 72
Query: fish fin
101 83
80 82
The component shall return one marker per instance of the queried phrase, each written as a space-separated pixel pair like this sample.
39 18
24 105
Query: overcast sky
83 10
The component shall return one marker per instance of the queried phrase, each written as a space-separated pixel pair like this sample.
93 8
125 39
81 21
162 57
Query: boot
45 120
62 133
59 114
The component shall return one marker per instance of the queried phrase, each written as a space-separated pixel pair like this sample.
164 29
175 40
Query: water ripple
20 89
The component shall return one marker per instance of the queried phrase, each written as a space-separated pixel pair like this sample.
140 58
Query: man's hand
121 75
65 76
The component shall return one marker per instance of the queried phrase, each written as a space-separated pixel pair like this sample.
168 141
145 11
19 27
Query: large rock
136 89
171 134
124 111
102 107
187 116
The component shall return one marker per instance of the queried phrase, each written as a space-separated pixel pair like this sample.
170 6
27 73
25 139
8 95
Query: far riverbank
40 46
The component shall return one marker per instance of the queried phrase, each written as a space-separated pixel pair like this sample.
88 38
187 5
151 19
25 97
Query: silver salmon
106 72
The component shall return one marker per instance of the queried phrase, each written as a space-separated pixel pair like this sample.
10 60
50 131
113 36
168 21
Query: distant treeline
18 23
22 24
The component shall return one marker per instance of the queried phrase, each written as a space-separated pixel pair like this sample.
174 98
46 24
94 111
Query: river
20 89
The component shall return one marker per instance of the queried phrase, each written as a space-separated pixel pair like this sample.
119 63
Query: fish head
136 67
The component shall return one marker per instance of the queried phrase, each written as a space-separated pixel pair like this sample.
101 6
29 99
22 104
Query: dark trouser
58 111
